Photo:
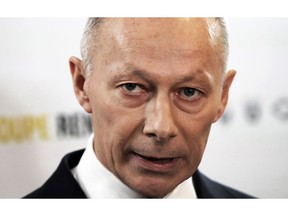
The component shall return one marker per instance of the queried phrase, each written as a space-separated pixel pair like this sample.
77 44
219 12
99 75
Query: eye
132 88
189 93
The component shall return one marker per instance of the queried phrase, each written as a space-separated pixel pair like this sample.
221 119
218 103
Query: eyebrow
201 77
130 70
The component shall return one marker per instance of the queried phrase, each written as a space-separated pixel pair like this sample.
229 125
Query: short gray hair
88 41
219 38
216 28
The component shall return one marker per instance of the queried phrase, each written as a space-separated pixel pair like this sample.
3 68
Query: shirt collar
98 182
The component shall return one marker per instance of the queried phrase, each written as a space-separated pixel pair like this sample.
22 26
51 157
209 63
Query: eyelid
193 98
126 83
142 84
139 89
131 83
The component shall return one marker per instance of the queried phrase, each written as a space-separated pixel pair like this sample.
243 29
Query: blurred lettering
252 111
20 129
73 125
280 109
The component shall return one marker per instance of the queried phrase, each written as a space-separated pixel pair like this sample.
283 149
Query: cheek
197 138
196 130
113 123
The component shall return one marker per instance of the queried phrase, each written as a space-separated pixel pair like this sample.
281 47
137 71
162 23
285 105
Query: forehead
179 34
172 46
165 39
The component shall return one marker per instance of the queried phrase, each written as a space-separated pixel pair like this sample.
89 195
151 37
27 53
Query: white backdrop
40 119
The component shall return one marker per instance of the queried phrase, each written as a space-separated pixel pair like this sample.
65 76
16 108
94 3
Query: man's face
155 90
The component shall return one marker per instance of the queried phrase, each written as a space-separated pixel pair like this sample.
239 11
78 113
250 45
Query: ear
79 80
229 77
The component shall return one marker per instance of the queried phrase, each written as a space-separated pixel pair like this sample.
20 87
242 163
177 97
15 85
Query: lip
158 165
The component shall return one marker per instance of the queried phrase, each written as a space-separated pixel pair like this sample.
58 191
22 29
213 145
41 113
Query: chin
155 187
154 194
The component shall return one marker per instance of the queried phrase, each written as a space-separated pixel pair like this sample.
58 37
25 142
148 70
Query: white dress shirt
98 182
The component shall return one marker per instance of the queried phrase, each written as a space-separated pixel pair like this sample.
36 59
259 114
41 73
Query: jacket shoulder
207 188
62 183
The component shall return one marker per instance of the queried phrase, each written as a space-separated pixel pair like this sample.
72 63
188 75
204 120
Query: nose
159 121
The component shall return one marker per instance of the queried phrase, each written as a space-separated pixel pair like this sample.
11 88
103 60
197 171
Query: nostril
151 135
160 138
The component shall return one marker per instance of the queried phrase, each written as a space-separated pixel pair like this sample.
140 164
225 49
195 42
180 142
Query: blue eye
189 93
130 86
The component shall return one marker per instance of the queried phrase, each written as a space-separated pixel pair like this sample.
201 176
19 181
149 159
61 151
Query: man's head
153 88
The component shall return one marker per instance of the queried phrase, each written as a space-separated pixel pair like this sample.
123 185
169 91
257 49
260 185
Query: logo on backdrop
21 129
253 111
37 127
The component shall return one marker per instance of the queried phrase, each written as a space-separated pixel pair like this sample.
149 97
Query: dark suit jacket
62 184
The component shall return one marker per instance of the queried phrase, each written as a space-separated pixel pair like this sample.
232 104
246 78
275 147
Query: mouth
157 160
155 164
